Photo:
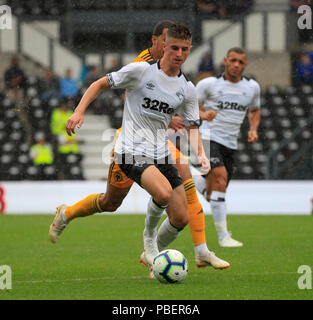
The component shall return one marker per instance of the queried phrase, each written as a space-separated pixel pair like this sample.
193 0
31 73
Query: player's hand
205 165
75 120
209 115
252 136
176 123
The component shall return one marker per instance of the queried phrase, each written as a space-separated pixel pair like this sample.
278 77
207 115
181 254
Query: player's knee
108 205
181 221
220 182
184 220
163 197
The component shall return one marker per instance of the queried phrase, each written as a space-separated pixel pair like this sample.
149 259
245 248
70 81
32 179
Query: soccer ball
170 266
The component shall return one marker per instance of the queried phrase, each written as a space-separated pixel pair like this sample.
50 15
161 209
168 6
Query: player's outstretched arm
254 120
77 118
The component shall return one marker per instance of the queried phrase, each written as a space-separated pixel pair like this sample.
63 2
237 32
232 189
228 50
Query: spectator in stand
304 69
68 86
68 144
115 65
83 75
41 152
59 118
93 74
237 7
15 80
49 86
15 85
211 9
206 67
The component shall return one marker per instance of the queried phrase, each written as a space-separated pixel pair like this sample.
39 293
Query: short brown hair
179 31
160 26
237 50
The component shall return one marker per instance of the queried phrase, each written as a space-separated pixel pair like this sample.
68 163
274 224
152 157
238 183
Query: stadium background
91 38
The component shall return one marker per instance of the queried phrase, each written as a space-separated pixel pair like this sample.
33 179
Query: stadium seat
17 137
243 157
306 89
74 173
281 111
281 157
285 123
287 133
32 173
294 100
270 134
8 147
53 103
277 100
7 103
10 115
265 112
73 158
49 173
272 90
290 90
14 173
298 111
306 135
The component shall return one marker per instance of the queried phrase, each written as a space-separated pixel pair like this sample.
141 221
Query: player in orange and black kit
119 184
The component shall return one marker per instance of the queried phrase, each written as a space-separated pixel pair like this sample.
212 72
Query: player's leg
118 186
218 180
203 256
177 219
156 184
214 186
196 216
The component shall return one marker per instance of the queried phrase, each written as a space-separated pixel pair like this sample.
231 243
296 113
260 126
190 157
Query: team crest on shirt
180 94
118 177
150 86
214 160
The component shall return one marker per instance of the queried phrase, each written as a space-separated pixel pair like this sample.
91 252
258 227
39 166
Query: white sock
201 249
200 184
166 234
154 214
218 207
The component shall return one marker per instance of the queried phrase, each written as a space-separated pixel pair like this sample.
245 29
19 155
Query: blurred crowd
36 110
214 9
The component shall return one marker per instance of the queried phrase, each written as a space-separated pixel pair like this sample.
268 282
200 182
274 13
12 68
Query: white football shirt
152 98
231 101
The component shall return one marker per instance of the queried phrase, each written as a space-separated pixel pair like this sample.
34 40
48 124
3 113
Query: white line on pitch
143 277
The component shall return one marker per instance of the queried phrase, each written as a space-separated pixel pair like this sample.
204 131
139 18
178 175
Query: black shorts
134 166
220 155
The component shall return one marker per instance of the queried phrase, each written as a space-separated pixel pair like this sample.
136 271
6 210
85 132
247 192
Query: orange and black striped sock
85 207
196 215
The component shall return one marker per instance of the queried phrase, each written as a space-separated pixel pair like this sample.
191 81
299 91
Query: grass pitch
98 258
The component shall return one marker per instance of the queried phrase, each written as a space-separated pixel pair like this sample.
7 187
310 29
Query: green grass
97 258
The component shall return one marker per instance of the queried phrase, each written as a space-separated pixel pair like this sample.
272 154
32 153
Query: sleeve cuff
110 80
189 123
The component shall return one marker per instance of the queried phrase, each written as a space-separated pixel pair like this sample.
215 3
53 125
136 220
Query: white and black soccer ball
170 266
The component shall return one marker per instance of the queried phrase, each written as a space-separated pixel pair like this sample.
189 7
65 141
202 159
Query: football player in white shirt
224 102
155 92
